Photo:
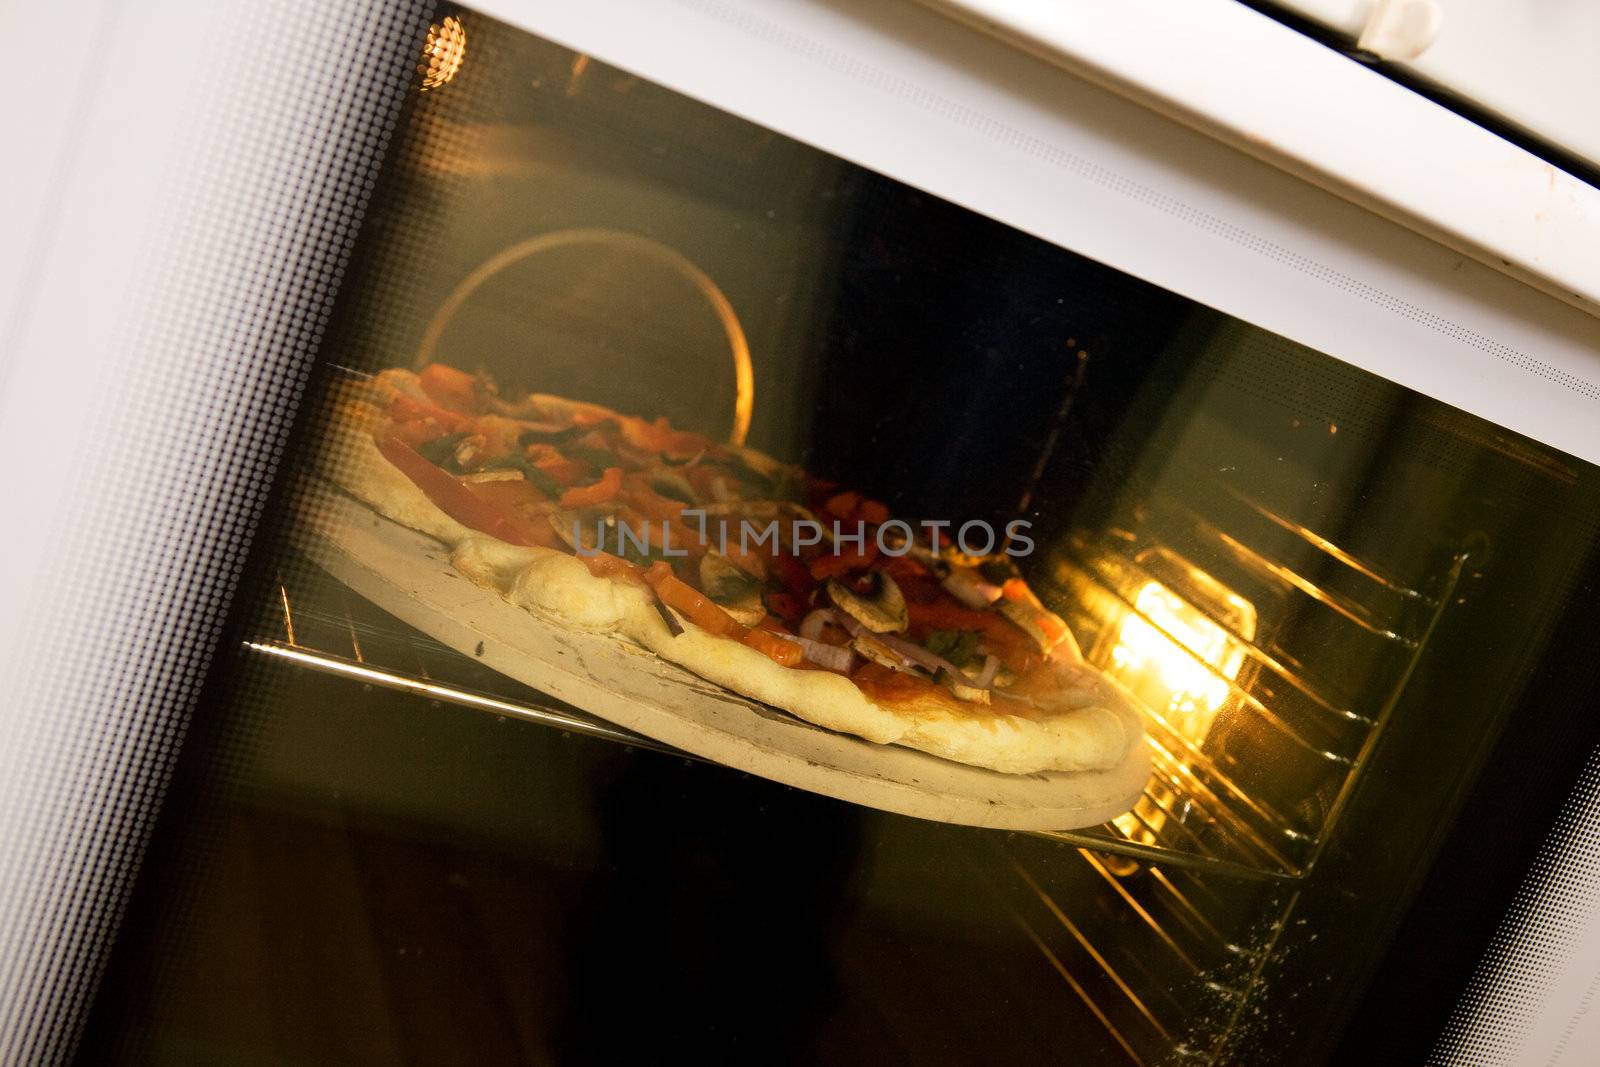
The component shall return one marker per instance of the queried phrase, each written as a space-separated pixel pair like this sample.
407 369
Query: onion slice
966 586
914 655
833 657
811 626
919 655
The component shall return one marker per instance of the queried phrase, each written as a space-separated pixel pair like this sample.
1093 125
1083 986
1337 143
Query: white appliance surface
1532 63
1277 94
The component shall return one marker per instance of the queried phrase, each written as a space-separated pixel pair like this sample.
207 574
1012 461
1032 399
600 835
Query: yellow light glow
1177 659
1130 825
446 48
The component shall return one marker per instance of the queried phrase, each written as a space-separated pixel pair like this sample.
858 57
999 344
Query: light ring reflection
744 376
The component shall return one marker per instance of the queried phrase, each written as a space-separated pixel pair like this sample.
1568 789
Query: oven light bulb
1176 658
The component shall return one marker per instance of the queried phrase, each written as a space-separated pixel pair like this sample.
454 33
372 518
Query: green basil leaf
957 646
550 437
759 484
441 451
541 481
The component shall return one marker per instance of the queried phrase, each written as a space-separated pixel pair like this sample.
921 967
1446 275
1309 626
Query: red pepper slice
604 565
639 493
872 512
405 409
1054 628
793 575
601 492
636 493
786 606
460 503
904 570
854 559
681 596
843 505
566 471
692 604
655 535
659 436
1015 648
779 651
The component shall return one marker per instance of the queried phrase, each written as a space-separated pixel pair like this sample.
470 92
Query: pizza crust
561 588
352 461
1092 737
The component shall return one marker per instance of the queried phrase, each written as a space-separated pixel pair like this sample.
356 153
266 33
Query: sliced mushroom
878 652
762 464
496 474
466 452
737 464
1028 617
683 461
672 484
962 690
1021 616
881 609
734 590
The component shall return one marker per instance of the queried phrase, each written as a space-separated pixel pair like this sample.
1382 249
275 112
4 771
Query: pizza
747 571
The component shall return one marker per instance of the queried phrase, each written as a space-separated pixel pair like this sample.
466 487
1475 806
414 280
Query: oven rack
1164 956
315 623
1155 924
1296 703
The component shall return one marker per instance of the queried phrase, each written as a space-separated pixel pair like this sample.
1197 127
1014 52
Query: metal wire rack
1148 942
1205 807
1307 689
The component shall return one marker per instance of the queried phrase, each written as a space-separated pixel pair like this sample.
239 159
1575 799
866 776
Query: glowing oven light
1131 826
446 48
1178 659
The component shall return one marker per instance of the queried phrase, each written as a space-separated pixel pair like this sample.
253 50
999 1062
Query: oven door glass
399 833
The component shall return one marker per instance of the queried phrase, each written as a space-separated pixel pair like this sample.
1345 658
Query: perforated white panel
194 206
1533 997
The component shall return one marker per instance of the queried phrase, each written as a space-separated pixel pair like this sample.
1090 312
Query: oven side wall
201 172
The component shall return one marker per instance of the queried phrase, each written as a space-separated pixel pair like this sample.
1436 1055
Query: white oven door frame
1300 106
896 87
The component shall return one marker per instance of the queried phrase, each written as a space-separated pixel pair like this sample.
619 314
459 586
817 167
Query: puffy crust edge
561 588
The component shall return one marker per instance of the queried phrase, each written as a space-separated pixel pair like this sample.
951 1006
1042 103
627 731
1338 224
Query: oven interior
1285 558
